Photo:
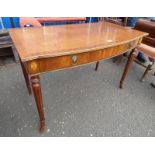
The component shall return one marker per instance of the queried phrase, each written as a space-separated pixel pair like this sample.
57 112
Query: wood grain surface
52 41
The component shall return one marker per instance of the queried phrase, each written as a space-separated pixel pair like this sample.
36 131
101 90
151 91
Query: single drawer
66 61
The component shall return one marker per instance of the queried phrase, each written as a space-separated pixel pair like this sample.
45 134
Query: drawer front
56 63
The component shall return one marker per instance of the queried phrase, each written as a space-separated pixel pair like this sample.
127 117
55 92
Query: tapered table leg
35 80
130 59
26 77
146 72
97 65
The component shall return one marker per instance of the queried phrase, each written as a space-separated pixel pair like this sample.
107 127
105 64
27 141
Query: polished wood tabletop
58 47
51 41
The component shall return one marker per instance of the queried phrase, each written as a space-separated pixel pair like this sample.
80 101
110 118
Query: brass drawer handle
74 59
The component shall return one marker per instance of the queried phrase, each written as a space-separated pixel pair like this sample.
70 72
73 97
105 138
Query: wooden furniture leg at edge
97 65
130 59
36 86
26 77
146 72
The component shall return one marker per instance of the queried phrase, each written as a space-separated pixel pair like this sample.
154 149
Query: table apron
61 62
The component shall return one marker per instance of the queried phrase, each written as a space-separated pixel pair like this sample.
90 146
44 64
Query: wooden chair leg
97 65
130 59
26 77
146 72
36 86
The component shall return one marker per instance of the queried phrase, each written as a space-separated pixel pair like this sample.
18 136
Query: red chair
36 22
60 19
148 50
29 20
147 47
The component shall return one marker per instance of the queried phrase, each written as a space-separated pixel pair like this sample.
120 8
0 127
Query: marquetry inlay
33 66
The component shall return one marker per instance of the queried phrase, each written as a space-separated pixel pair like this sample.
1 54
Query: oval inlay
33 66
